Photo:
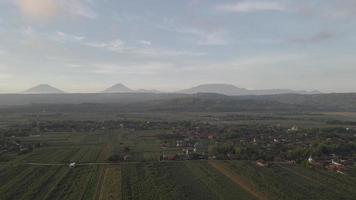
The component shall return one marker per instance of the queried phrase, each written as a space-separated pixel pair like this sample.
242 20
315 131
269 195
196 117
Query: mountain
225 89
43 89
121 88
232 90
147 91
118 88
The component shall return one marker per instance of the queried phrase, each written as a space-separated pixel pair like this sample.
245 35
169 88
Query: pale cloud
340 10
252 6
214 38
65 37
217 37
79 8
266 60
116 45
74 66
145 68
158 52
144 42
316 38
248 63
119 46
44 9
58 36
211 36
333 9
29 31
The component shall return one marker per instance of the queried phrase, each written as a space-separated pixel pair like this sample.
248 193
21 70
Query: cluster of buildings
333 163
195 133
190 144
7 146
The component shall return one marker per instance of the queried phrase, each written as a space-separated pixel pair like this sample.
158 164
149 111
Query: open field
133 156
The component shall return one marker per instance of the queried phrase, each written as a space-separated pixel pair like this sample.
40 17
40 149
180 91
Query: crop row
294 182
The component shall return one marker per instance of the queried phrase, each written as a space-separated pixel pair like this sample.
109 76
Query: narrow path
102 171
111 186
237 180
45 164
99 184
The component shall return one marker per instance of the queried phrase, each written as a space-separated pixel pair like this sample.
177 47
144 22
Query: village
328 148
291 146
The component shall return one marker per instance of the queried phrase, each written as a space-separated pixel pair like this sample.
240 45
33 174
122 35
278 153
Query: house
293 129
164 146
72 165
212 157
261 163
171 157
336 166
197 147
126 157
333 162
179 143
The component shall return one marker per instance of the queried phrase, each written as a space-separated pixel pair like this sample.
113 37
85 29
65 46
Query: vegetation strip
236 179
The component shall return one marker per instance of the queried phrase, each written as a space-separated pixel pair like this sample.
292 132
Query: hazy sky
88 45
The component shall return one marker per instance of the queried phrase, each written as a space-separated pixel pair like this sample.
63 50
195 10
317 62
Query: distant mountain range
43 89
174 102
232 90
225 89
210 97
121 88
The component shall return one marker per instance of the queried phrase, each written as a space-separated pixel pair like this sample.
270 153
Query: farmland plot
111 186
177 180
294 182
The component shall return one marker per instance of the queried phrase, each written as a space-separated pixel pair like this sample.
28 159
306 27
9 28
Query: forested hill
332 101
183 102
283 102
80 98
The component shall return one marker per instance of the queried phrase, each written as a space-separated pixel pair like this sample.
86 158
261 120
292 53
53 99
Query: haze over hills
148 91
43 89
202 102
217 97
118 88
225 89
121 88
232 90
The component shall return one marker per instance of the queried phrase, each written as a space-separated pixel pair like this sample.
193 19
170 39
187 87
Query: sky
89 45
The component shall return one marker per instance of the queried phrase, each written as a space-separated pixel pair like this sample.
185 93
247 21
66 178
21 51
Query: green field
146 178
143 176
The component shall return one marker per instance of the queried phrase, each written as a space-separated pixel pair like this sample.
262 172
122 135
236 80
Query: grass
146 178
111 185
295 182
